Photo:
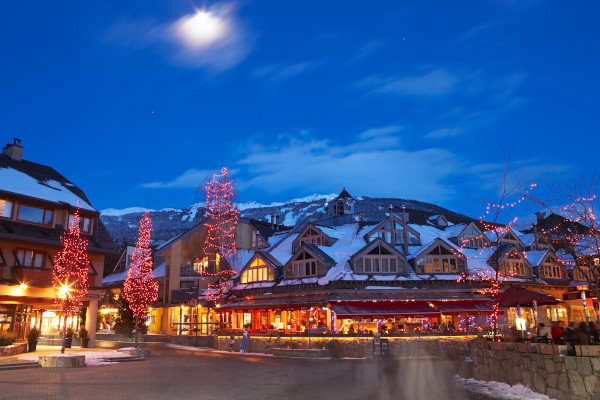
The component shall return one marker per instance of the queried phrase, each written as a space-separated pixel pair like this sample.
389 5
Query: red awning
383 309
516 296
469 307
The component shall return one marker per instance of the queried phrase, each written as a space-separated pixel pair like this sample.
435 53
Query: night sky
135 102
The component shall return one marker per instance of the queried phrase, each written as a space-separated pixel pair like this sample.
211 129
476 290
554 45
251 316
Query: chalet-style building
406 268
36 205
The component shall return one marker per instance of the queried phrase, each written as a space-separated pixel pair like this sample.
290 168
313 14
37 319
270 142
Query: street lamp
583 289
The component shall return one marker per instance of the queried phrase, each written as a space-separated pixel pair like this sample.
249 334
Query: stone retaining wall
13 349
559 377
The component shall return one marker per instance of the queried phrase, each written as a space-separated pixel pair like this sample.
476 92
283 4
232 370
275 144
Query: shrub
33 335
7 338
70 333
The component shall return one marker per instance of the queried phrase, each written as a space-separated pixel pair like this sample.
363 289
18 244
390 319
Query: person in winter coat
569 338
557 333
544 333
581 335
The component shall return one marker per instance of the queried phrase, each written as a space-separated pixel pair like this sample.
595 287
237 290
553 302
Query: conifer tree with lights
220 238
70 272
141 288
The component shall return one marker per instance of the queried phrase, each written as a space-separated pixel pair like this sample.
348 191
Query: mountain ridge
122 224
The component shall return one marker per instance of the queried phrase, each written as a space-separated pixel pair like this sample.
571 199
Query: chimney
272 222
391 209
277 222
405 231
14 151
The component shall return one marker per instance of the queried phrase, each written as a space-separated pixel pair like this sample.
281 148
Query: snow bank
501 390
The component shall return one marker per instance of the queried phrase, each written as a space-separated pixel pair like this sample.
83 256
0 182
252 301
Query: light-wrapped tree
141 288
70 273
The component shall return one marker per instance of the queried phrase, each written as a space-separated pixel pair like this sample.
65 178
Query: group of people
572 334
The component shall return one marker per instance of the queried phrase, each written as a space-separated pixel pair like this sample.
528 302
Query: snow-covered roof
527 239
535 257
21 183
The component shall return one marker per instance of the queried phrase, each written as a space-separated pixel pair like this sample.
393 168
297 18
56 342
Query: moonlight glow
202 29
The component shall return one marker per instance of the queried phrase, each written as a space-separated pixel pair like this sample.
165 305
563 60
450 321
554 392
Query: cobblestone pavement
181 374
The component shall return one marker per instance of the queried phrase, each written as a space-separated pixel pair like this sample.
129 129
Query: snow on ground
92 359
501 390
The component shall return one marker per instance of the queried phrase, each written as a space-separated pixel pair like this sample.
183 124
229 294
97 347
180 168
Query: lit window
258 271
6 207
200 265
34 214
440 260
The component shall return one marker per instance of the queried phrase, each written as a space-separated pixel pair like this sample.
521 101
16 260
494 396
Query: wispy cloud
438 82
191 178
212 39
444 133
367 166
282 72
368 49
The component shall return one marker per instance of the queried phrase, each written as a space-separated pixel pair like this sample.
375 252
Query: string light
70 273
140 288
220 238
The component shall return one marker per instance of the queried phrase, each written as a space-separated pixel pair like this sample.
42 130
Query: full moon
202 29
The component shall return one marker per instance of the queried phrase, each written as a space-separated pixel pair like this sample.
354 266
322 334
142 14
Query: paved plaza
182 374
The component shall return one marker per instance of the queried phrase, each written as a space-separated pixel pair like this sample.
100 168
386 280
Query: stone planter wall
559 377
196 341
13 349
107 337
452 347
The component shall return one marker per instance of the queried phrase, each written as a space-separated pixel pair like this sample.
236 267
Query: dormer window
304 265
314 237
258 271
551 270
378 257
311 234
472 239
379 260
36 215
514 266
391 232
85 223
6 207
440 260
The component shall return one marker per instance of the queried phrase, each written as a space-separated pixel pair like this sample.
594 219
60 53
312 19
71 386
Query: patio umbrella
516 296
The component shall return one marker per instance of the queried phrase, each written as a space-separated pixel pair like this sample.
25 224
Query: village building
404 269
36 206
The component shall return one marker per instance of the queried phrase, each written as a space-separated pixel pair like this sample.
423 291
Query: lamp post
583 289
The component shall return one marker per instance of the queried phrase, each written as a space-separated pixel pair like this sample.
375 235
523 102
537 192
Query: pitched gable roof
37 181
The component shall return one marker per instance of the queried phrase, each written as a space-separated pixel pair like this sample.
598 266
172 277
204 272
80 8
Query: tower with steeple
341 205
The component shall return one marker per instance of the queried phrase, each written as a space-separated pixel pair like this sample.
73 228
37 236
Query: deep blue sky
405 99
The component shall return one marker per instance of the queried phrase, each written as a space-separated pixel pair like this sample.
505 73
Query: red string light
140 288
220 238
70 273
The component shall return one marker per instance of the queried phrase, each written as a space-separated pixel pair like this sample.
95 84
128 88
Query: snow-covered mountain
170 222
